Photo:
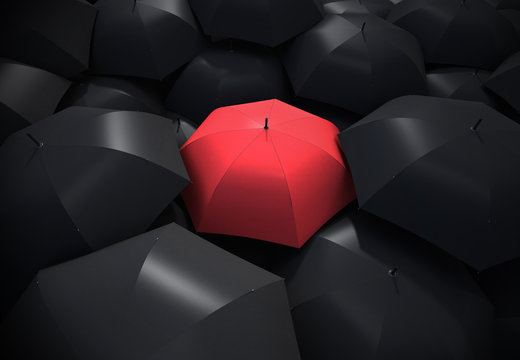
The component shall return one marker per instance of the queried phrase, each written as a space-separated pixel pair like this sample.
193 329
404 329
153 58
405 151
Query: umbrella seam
224 175
287 185
314 145
397 174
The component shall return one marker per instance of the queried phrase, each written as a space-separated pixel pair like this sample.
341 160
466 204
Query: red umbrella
265 170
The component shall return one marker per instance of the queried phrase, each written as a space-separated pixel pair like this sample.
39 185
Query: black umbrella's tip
393 272
265 126
33 139
474 127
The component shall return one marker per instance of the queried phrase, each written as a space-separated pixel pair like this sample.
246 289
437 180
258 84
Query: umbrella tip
474 127
265 126
38 143
393 272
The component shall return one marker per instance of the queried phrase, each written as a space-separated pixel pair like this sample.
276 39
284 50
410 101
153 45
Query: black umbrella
505 4
266 22
380 8
27 94
503 288
514 18
78 181
52 34
457 32
354 63
184 127
459 83
362 288
227 74
447 170
505 81
144 38
116 93
166 294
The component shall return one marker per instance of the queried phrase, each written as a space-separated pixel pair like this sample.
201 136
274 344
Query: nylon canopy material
165 294
444 169
354 63
457 32
78 181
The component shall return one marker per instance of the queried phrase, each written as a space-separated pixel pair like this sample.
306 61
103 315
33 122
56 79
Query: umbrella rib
286 184
310 116
314 145
214 133
229 168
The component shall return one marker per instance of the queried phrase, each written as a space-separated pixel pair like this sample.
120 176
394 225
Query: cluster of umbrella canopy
260 179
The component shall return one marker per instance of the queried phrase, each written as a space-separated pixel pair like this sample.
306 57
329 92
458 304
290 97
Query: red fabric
281 184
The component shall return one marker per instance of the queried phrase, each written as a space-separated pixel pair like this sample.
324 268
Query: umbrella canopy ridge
380 8
265 22
504 81
356 63
115 93
78 181
27 94
453 32
265 170
362 288
444 169
460 83
163 294
144 38
222 76
31 31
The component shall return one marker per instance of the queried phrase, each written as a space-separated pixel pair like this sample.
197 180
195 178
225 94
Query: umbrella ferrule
33 139
474 127
393 272
265 126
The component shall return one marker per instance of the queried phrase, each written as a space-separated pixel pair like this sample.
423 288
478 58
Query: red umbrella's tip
265 126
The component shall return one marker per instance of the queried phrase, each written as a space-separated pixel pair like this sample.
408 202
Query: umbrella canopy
514 18
78 181
265 22
457 32
27 94
227 75
380 8
166 294
356 64
144 38
116 93
362 288
460 83
505 81
502 287
265 170
32 31
505 4
447 170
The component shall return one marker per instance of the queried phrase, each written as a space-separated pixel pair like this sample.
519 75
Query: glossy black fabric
27 94
54 35
227 74
505 81
460 83
444 169
362 288
144 38
454 32
78 181
265 22
354 62
502 286
380 8
165 294
116 93
184 127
